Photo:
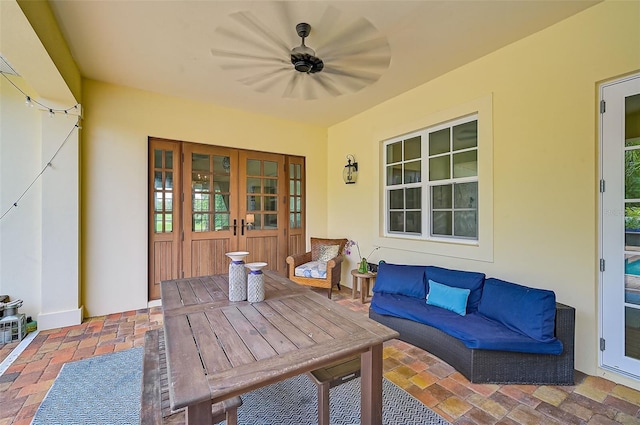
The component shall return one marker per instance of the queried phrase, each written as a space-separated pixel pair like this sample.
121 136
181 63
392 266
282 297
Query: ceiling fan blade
252 23
378 44
245 56
293 82
324 27
360 61
328 85
249 66
258 78
358 30
367 77
254 43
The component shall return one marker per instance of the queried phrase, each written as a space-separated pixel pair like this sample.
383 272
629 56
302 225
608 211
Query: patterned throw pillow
327 252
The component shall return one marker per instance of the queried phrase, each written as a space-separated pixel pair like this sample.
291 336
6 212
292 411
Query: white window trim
482 249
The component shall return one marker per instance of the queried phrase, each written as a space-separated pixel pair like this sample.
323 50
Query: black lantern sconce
350 172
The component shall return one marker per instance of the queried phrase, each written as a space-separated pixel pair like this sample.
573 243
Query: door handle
242 228
235 225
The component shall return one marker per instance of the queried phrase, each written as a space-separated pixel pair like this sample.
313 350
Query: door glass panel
168 201
270 169
168 180
271 186
158 201
157 158
221 203
168 159
253 185
253 167
201 222
270 221
168 223
270 203
220 222
632 227
221 165
253 203
200 162
258 221
157 180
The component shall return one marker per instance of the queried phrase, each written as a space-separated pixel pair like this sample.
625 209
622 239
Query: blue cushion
460 279
449 297
520 308
474 330
401 279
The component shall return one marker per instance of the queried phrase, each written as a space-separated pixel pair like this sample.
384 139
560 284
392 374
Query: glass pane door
620 231
211 208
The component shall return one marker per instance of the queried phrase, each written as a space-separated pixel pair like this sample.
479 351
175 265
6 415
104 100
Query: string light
29 102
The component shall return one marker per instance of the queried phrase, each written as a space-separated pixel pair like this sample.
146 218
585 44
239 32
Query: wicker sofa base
489 366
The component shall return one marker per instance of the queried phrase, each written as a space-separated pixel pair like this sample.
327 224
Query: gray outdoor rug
105 390
99 390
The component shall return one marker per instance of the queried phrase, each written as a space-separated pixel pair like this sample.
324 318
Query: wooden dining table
217 349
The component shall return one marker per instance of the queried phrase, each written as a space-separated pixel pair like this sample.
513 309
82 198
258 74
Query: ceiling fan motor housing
303 62
303 58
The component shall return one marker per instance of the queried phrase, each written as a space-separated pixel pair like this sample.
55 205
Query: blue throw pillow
529 311
401 279
460 279
454 299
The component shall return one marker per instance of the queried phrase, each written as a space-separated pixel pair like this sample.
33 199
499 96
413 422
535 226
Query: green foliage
632 218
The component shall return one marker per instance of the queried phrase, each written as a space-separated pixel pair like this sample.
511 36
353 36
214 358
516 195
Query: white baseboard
154 303
60 319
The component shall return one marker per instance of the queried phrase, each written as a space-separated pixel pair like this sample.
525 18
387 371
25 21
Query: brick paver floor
592 400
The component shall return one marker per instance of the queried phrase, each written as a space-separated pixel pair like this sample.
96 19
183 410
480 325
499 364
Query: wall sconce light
350 172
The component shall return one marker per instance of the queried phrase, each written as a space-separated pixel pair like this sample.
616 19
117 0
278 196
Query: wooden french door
214 200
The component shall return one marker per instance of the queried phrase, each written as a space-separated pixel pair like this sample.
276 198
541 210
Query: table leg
364 289
371 382
354 286
199 413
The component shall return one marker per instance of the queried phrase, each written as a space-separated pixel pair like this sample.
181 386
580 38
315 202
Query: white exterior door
620 226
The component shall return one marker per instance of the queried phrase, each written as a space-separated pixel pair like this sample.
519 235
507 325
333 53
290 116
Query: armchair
314 269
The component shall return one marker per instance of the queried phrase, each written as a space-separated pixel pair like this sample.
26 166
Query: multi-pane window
431 183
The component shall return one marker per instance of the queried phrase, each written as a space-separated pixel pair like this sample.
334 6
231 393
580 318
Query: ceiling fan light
302 66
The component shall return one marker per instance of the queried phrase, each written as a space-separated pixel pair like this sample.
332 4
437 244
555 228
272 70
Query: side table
365 279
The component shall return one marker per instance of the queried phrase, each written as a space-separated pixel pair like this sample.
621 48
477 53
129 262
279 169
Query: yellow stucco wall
117 123
545 156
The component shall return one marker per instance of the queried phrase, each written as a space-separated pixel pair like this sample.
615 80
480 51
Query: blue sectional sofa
490 330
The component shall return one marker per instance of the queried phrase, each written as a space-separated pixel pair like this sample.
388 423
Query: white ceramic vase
237 276
255 282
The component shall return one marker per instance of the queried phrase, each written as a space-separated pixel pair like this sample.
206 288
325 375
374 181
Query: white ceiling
165 46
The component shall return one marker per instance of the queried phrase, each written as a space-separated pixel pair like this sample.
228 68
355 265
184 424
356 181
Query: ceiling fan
349 56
